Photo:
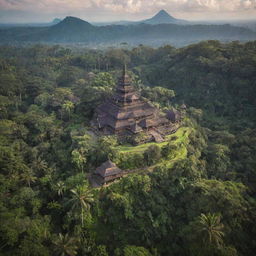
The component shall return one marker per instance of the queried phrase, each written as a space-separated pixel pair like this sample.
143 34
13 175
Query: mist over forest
157 31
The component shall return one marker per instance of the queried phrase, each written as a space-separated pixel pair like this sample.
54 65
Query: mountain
74 30
72 23
163 17
70 29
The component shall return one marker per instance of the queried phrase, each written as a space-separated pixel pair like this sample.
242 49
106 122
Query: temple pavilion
107 172
126 113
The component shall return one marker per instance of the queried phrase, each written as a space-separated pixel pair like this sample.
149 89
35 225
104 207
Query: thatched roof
108 169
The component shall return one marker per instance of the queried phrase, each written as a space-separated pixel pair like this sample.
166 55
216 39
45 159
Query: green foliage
65 245
131 161
80 202
193 194
106 148
100 251
207 236
103 79
136 251
152 154
159 94
210 229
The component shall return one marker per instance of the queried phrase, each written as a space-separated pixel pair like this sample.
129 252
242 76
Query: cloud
176 5
132 6
98 9
44 5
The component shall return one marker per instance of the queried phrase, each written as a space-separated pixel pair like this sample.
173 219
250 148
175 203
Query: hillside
193 194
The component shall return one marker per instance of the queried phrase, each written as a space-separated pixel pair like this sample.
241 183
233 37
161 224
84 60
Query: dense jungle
193 194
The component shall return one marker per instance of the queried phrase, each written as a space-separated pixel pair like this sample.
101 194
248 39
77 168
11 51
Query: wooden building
107 172
126 113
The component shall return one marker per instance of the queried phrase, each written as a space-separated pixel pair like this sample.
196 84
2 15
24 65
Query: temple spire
124 80
124 69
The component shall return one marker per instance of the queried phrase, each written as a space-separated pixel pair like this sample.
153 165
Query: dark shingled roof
127 107
135 128
173 115
147 123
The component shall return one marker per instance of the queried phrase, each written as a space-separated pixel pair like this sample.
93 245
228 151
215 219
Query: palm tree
210 229
81 200
28 177
39 164
78 159
65 245
61 188
68 106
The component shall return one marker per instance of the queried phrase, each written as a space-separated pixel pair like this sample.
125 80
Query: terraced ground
182 134
179 139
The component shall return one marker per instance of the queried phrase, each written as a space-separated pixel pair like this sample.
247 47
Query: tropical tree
103 79
159 94
135 251
106 148
81 201
78 159
28 177
206 235
61 188
39 164
152 154
68 106
64 245
210 229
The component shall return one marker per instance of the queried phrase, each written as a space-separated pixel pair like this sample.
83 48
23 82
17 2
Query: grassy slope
181 152
179 139
181 135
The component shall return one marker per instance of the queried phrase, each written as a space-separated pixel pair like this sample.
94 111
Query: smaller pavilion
107 172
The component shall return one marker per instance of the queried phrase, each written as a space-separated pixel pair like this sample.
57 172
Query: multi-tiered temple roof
127 112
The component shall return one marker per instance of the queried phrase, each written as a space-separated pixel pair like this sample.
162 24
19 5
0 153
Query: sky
113 10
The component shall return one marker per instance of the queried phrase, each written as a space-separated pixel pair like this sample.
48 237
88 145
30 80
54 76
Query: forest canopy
194 194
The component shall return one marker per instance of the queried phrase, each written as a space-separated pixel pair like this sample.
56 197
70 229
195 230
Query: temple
126 113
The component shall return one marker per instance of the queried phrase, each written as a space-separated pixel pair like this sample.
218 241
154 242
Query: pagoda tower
126 112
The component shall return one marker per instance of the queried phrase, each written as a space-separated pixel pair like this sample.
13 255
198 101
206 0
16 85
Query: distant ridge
162 17
43 24
75 30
